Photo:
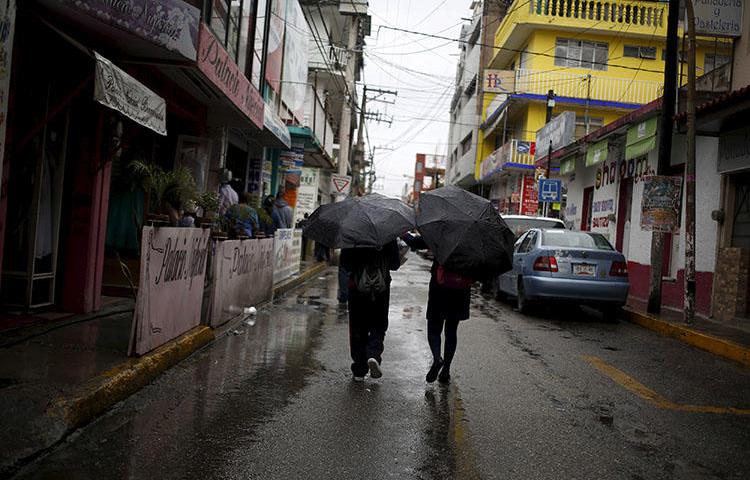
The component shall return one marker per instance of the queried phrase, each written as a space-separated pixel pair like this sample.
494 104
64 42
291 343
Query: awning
315 154
641 138
119 91
273 125
597 153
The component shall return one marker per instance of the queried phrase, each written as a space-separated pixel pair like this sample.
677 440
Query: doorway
624 213
588 203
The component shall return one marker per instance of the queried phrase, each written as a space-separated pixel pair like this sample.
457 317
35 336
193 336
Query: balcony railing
638 17
515 154
588 86
316 118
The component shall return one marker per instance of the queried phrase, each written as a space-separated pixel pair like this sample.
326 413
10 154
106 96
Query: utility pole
665 147
356 180
345 125
690 171
548 174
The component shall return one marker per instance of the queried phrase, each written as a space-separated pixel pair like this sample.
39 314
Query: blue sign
550 190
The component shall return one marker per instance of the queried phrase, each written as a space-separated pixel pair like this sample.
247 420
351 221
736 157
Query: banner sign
287 253
242 277
340 184
170 291
119 91
660 206
530 198
7 28
219 67
718 18
560 131
307 193
172 24
295 59
274 56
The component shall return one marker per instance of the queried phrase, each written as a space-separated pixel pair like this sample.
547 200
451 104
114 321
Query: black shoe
434 369
445 376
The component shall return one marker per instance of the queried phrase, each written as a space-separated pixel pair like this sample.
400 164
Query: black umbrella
369 221
464 232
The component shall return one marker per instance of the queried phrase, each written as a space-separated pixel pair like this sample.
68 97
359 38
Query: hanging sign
119 91
660 206
341 184
559 132
242 277
170 291
499 81
718 18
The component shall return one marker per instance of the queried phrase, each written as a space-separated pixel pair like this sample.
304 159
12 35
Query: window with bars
581 54
466 144
636 51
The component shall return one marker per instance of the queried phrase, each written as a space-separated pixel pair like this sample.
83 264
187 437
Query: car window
528 243
519 241
521 225
565 238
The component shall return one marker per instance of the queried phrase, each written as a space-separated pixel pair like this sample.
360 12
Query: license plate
584 269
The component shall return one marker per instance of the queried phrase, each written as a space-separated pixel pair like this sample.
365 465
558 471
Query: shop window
635 51
711 62
230 20
254 69
581 54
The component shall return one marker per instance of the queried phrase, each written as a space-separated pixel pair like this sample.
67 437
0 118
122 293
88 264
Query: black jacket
352 259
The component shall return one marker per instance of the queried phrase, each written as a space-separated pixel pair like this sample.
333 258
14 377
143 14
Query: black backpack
372 278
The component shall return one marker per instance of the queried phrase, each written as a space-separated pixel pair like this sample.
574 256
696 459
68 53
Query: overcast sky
422 70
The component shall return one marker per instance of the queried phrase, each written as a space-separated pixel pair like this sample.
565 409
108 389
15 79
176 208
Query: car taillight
545 264
619 269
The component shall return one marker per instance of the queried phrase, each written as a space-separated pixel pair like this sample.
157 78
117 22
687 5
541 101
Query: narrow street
532 397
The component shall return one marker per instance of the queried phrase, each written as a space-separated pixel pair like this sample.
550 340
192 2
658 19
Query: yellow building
602 59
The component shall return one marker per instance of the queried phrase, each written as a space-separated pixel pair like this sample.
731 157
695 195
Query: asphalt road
563 394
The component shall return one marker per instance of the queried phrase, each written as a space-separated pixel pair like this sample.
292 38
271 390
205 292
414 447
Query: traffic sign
550 190
341 184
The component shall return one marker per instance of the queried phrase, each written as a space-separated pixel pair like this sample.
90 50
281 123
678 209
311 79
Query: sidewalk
722 340
58 374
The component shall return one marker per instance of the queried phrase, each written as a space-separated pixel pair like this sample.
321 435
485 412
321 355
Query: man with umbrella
365 228
470 241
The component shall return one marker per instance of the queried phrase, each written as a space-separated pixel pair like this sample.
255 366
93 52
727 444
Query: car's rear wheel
522 303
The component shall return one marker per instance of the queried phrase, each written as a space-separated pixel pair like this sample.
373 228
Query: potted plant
167 190
208 202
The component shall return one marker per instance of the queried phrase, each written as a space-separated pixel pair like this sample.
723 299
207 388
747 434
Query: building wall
741 67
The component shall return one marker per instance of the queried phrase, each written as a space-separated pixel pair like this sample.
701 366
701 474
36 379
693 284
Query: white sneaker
375 371
358 379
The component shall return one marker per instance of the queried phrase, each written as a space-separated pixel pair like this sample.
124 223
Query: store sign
560 131
734 151
660 206
641 139
170 291
7 29
340 184
287 253
173 24
718 18
242 277
597 153
530 198
119 91
218 66
275 125
499 81
307 193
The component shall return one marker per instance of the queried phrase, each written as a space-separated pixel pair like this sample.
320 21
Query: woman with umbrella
365 228
470 242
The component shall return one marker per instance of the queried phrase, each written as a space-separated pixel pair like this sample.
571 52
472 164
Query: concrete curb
119 383
709 343
294 282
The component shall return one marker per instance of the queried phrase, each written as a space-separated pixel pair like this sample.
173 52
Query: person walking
448 303
284 217
369 284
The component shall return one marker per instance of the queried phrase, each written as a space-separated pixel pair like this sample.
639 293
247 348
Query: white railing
316 118
588 86
649 14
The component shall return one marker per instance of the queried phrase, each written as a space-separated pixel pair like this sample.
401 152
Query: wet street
562 394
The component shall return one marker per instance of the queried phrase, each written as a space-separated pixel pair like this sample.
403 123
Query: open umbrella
464 232
369 221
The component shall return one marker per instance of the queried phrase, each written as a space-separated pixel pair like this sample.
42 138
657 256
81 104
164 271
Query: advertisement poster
242 277
294 73
661 204
275 43
170 291
530 201
287 253
307 193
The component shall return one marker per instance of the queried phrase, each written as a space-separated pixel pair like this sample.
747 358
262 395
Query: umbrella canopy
369 221
464 232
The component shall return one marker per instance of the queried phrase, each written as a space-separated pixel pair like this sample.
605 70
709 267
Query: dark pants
343 295
368 322
434 330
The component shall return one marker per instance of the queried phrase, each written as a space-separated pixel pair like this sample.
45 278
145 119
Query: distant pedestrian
448 302
227 195
283 214
369 286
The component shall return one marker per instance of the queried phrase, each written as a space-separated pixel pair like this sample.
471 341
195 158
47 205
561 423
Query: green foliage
208 201
174 186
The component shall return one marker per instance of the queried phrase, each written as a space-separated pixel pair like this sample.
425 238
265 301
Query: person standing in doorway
369 286
227 195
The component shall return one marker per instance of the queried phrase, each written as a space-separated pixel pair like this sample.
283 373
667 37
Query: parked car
520 224
563 265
